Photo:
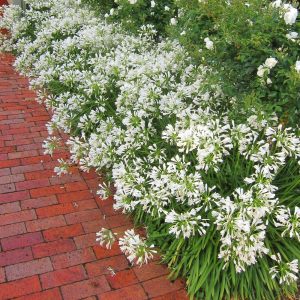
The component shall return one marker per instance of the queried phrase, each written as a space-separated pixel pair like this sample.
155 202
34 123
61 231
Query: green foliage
134 16
244 34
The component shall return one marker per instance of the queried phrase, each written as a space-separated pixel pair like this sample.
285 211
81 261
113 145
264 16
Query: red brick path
48 224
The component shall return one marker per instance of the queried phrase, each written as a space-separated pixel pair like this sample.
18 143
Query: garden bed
207 164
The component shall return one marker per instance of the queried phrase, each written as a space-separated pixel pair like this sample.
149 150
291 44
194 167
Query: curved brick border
48 224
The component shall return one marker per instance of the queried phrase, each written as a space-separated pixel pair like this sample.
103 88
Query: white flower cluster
105 237
142 110
287 272
289 12
136 248
265 68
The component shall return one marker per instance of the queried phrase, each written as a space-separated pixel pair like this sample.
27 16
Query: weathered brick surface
103 252
94 226
31 184
52 248
2 275
63 232
20 287
17 217
12 197
53 294
150 271
86 288
73 258
74 196
9 208
48 223
161 286
85 240
135 292
11 178
12 229
177 295
83 216
101 267
15 256
122 279
63 277
38 202
29 268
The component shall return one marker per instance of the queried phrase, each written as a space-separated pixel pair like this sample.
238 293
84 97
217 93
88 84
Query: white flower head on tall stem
286 272
105 238
51 144
186 224
62 168
135 248
288 221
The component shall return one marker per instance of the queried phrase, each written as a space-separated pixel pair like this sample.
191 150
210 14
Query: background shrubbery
244 35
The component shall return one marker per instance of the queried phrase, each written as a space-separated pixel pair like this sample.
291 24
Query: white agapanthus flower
132 1
105 238
242 236
288 221
62 168
186 224
51 144
135 248
286 272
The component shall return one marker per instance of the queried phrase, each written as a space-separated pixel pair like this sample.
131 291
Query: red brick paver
48 224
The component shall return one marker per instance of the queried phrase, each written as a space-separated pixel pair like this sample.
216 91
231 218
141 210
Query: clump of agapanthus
242 234
136 248
286 272
62 168
288 221
105 190
186 224
51 144
105 238
285 139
